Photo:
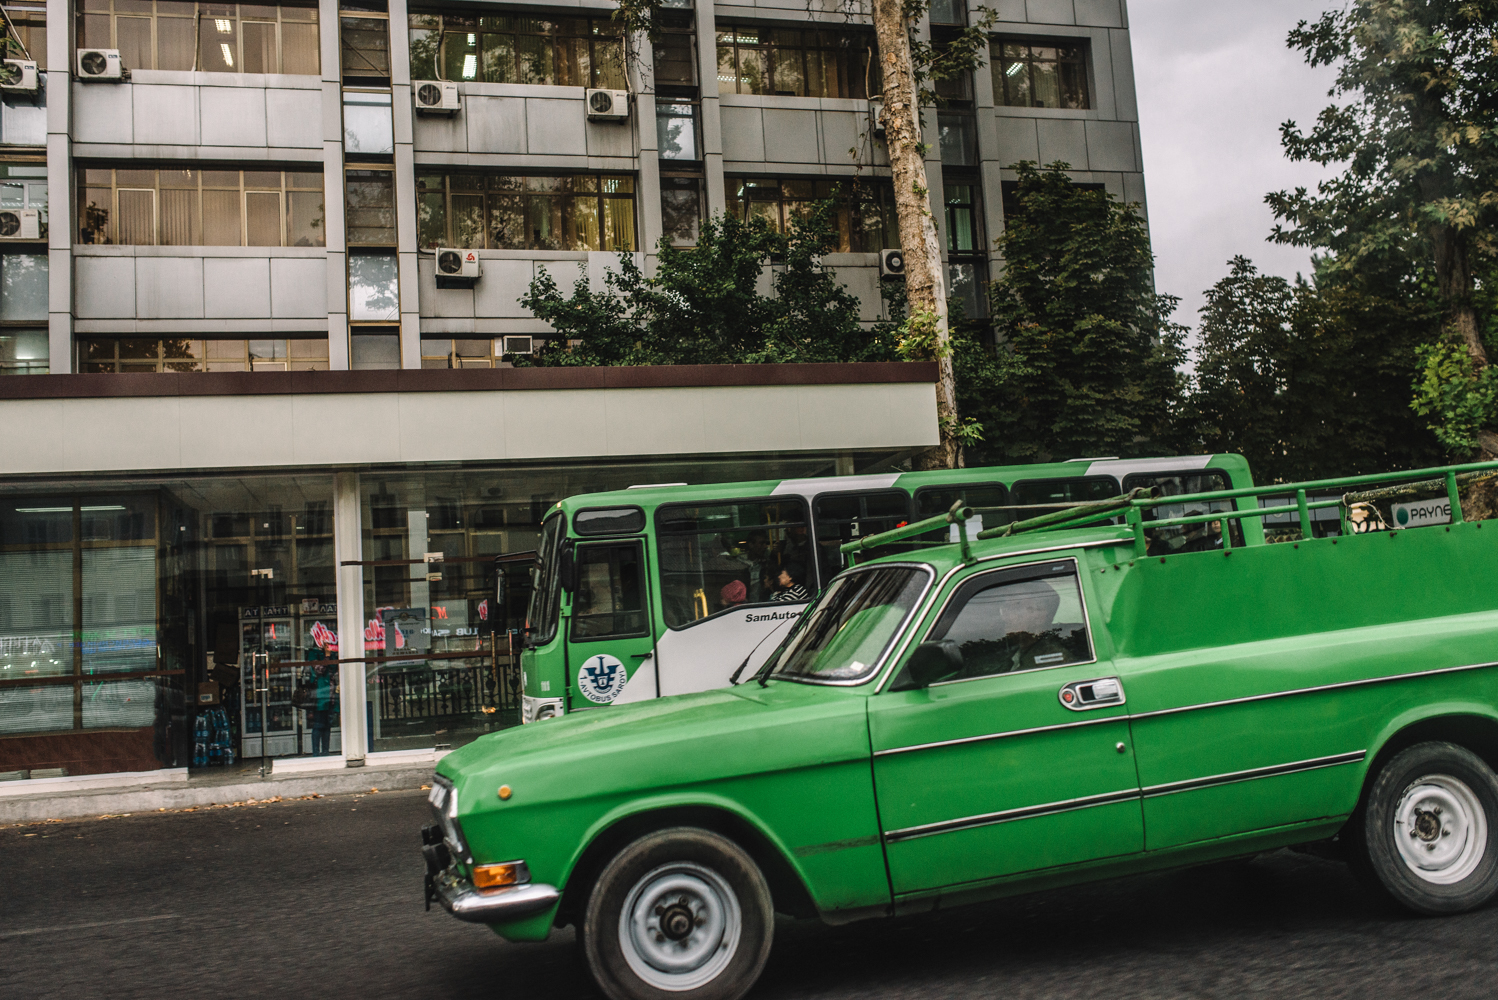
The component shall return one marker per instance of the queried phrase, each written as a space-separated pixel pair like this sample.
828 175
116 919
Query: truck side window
610 596
1004 623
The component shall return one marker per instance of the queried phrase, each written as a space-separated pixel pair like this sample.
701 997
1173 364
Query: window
948 12
208 37
865 212
370 207
794 63
24 352
28 20
23 289
143 354
1048 75
958 136
967 261
368 125
546 587
374 289
485 353
24 185
556 51
1046 496
676 130
933 500
853 625
373 348
609 521
365 46
681 209
216 208
1189 537
716 557
609 602
508 212
844 517
1028 618
675 50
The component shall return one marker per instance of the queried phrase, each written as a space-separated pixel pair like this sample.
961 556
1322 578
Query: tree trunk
924 280
1454 275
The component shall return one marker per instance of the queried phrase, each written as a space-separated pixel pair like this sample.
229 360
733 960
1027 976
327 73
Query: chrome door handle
1079 696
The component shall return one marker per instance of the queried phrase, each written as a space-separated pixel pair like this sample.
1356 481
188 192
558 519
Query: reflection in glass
367 123
373 288
23 288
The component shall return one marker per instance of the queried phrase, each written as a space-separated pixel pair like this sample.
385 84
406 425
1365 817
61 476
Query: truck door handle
1079 696
642 656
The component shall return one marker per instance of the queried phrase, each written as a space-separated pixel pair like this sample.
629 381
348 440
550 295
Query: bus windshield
546 586
847 633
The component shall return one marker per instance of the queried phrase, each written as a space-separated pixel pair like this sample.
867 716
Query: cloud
1215 81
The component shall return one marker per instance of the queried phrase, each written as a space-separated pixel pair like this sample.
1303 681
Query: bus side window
842 517
1187 537
933 500
1045 496
718 556
609 600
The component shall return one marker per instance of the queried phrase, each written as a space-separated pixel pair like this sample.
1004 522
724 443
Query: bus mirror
567 567
934 661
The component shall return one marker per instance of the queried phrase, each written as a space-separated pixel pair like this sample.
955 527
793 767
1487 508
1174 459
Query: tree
1310 381
1089 351
703 305
1416 133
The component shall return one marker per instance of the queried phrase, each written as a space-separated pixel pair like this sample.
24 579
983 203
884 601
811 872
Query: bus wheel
681 913
1429 829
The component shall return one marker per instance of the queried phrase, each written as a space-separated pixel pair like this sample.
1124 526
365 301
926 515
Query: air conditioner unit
519 345
20 224
457 268
437 97
101 64
876 115
891 263
608 105
19 75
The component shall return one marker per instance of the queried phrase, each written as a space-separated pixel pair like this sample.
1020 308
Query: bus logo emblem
602 678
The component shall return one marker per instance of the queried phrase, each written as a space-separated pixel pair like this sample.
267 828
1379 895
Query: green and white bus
668 589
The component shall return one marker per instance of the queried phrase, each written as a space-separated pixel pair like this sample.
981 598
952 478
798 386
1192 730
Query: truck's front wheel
681 913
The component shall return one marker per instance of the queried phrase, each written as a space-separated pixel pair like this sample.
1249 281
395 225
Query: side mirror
567 567
499 588
934 661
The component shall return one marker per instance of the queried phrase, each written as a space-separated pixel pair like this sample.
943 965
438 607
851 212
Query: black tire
1428 831
630 959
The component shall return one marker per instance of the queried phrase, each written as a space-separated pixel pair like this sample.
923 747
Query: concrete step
88 798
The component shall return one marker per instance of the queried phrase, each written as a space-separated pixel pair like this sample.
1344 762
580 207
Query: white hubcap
680 926
1440 829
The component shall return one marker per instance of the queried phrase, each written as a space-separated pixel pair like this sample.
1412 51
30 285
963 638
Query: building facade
256 402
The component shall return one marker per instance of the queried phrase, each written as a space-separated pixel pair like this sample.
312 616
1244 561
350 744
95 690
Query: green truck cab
1048 703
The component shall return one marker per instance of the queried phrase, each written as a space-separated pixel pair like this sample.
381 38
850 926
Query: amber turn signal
504 791
494 876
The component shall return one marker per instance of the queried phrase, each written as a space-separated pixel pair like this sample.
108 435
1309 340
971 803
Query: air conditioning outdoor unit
20 224
891 263
19 75
437 97
608 105
518 345
876 115
101 64
457 268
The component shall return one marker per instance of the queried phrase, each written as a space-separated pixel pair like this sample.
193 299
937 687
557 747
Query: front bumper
491 906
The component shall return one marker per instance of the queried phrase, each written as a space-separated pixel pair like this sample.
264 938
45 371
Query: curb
176 795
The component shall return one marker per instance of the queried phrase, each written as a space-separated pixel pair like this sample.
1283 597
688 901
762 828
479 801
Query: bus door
610 637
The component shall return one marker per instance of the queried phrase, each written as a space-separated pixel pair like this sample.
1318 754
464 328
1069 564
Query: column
332 136
712 125
348 546
60 198
405 183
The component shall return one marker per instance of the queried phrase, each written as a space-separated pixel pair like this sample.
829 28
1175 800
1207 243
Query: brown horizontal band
506 557
142 384
405 658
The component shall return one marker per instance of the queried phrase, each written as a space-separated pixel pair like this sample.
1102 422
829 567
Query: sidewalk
42 799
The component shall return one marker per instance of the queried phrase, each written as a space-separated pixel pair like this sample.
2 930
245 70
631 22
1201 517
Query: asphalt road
323 899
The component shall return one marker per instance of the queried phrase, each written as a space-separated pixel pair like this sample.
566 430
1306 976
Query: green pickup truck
1048 703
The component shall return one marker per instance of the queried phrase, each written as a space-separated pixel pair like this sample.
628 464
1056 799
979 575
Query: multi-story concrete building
202 203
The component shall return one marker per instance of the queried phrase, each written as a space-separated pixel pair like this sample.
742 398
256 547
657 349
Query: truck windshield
847 633
546 589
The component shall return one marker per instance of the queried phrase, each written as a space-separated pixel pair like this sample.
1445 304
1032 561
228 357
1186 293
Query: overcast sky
1215 81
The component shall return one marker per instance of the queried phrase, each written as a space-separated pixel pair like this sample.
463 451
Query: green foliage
704 305
1088 354
1459 397
1310 381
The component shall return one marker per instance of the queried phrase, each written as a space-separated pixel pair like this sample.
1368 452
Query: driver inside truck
1028 614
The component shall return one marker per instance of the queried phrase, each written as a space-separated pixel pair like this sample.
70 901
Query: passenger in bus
792 582
761 575
733 592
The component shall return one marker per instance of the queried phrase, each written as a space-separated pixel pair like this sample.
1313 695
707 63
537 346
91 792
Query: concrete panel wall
199 116
236 432
548 125
800 135
219 290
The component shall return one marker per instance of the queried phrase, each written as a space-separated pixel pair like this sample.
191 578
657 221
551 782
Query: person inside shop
323 678
792 582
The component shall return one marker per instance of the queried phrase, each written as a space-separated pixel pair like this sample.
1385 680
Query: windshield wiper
735 678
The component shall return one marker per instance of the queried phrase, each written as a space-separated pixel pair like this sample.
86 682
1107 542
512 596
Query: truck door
1020 759
610 634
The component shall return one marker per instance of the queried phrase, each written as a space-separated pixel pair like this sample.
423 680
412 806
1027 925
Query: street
322 898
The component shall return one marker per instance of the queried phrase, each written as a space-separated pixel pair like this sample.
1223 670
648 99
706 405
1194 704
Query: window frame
858 82
1014 489
834 494
197 212
489 193
727 502
999 67
981 580
202 13
637 543
598 73
859 238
